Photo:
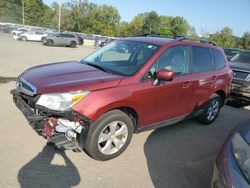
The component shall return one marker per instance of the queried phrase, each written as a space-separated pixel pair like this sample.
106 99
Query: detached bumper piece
65 130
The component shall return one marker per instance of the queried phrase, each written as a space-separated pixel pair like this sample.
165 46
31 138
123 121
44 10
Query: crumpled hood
69 76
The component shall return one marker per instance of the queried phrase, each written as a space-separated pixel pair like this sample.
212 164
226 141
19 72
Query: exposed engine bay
66 130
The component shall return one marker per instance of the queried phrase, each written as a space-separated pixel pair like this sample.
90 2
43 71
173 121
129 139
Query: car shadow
182 155
39 172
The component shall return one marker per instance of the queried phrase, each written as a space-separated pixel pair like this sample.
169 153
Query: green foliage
245 41
223 38
36 13
179 26
151 23
124 29
11 11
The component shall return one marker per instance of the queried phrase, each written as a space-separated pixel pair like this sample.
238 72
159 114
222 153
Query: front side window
121 57
174 59
219 61
202 60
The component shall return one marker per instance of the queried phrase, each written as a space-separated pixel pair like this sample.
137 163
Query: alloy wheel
213 109
112 137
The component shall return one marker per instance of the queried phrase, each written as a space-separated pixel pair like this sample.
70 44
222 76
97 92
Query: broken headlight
61 101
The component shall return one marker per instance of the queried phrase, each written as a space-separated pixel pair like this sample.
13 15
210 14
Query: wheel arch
222 95
132 114
129 110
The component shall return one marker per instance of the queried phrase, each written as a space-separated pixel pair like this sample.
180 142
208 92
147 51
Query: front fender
102 101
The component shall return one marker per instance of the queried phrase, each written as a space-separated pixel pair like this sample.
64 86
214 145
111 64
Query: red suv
132 84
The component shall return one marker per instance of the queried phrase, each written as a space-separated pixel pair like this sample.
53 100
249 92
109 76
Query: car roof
161 41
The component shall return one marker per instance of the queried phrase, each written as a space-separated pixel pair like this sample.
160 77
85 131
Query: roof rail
154 35
181 38
177 38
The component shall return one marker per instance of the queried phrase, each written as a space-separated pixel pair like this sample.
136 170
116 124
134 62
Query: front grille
238 74
25 87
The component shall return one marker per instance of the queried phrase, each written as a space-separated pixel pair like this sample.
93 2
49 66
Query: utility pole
78 16
59 19
23 10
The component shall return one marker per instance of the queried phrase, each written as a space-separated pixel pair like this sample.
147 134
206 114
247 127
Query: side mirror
166 75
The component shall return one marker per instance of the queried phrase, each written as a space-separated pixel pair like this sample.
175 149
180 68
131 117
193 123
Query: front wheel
211 111
109 136
23 38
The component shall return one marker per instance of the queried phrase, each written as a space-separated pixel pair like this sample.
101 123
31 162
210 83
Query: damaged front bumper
65 130
240 90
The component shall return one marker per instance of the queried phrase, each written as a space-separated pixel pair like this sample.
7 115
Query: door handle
186 84
213 78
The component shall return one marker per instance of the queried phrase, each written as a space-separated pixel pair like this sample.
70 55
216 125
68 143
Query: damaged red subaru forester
132 84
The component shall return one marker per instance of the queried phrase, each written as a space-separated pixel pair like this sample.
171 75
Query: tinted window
202 61
174 59
218 58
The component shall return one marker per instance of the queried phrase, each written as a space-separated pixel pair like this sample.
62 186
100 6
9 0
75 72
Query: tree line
87 17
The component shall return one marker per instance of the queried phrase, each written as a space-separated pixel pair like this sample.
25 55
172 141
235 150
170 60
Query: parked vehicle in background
232 165
104 41
240 64
231 52
18 32
80 39
128 86
61 39
31 36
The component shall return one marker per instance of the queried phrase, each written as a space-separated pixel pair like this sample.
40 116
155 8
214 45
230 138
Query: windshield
121 57
242 57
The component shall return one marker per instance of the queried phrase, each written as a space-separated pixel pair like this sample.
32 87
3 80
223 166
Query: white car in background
32 36
16 33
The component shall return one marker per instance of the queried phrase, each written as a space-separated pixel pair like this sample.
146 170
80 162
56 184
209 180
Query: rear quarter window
218 58
201 59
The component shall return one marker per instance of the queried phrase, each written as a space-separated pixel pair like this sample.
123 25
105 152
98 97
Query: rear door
60 39
203 78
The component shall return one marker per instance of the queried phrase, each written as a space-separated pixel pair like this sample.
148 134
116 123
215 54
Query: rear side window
219 61
202 60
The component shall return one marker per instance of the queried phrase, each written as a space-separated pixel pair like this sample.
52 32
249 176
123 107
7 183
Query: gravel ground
176 156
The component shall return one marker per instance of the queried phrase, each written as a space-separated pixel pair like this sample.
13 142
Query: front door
168 100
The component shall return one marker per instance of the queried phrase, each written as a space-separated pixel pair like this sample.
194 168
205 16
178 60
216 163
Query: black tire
72 44
237 103
95 145
50 42
211 111
23 38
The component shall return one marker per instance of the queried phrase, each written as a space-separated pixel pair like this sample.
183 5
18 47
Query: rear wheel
72 44
109 136
211 110
50 42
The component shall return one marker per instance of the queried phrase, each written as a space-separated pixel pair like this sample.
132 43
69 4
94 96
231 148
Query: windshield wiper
98 67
